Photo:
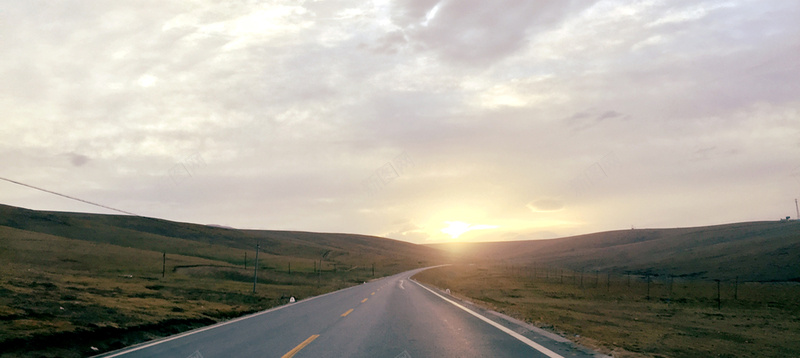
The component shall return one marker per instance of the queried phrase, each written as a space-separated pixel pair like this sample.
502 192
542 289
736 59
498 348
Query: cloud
477 32
589 118
408 231
537 117
78 160
546 205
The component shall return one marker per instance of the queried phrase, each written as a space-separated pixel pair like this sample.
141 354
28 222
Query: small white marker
291 299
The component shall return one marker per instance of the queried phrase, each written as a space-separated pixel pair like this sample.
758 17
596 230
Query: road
394 317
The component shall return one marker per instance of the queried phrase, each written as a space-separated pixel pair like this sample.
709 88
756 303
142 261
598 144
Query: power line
68 197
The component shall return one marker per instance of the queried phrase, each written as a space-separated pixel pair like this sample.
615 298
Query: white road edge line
516 335
181 335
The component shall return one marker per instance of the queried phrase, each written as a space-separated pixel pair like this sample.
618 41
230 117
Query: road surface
393 317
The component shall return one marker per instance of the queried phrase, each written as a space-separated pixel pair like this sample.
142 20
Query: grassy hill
73 281
174 237
753 251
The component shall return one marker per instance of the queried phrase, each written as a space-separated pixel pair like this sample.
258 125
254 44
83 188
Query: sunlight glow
457 228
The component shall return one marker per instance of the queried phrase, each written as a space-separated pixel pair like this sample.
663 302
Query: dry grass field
74 285
753 251
616 317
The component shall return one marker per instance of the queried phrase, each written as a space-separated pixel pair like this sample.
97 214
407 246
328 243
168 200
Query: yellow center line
373 294
294 351
364 300
347 313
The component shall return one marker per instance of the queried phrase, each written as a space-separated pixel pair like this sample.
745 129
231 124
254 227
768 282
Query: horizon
422 121
427 243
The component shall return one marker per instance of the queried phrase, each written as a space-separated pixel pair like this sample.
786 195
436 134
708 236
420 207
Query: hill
197 240
77 284
753 251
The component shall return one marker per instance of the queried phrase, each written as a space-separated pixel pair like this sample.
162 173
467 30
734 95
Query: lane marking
373 294
132 349
364 300
401 285
294 351
347 313
516 335
149 344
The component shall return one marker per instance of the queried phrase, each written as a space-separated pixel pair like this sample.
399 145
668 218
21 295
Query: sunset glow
458 228
423 121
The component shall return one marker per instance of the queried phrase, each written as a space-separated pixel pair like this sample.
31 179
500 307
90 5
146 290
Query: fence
668 289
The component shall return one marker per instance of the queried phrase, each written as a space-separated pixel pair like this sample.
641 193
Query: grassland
74 285
615 316
753 251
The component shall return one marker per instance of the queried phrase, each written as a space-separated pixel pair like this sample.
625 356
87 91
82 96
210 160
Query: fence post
719 301
671 280
255 269
648 287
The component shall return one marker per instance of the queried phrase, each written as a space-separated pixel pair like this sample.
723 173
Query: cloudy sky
419 120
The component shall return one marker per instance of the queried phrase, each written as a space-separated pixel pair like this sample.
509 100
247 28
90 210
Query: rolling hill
194 239
77 284
753 251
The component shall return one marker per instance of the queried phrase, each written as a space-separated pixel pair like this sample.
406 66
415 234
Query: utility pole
164 265
255 270
373 269
798 210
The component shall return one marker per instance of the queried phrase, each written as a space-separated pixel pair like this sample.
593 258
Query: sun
458 228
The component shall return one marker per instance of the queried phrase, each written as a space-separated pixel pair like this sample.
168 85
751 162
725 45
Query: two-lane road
392 317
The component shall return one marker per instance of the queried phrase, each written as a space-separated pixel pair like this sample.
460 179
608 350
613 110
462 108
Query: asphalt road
393 317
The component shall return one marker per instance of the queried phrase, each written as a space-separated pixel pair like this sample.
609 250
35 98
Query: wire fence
665 288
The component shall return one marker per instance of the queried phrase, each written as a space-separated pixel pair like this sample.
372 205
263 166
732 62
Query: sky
418 120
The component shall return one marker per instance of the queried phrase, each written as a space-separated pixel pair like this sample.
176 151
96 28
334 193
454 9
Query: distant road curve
394 317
